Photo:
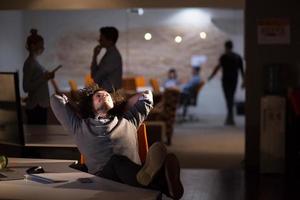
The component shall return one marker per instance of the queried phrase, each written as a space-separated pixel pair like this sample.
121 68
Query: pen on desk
39 179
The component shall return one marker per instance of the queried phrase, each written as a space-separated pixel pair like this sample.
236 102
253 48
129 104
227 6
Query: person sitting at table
188 88
172 81
107 138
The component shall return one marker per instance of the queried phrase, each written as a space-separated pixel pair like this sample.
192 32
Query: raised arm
141 104
64 113
55 86
94 65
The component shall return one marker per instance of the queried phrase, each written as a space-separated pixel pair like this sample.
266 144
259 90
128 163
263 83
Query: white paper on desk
97 184
41 179
72 189
58 178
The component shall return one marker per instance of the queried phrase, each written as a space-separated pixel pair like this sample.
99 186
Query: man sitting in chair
107 138
189 89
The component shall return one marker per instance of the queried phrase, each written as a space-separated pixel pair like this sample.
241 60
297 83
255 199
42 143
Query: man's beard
103 109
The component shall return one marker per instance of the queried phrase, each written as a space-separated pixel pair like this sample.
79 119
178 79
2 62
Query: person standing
108 72
231 63
35 81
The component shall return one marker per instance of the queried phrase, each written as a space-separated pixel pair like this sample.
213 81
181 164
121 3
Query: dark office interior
251 153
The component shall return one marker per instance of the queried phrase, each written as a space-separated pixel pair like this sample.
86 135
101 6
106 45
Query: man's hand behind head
139 96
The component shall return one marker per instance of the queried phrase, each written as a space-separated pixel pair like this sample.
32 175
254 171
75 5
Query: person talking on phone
108 72
35 81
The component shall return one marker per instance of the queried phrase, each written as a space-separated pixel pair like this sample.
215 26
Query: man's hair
229 44
82 102
172 70
197 69
110 33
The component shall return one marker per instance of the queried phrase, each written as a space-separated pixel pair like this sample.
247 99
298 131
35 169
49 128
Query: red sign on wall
273 31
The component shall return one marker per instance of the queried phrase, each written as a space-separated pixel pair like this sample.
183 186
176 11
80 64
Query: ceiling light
203 35
178 39
148 36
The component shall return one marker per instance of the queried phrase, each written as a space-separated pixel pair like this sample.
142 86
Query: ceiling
114 4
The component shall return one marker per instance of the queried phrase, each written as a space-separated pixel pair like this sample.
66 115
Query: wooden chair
166 111
155 85
142 142
73 85
129 84
88 80
140 81
192 100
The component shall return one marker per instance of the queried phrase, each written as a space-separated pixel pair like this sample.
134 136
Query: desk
70 189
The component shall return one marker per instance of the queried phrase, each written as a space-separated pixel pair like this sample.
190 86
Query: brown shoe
172 173
154 162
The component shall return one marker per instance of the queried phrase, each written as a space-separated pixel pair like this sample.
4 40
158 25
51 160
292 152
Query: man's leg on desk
161 171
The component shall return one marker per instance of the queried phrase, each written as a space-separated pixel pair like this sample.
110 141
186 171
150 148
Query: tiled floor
211 157
213 184
207 143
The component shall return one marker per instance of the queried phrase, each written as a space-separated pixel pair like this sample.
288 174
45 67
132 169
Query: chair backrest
195 93
82 159
88 80
129 83
171 98
140 81
142 142
73 85
155 85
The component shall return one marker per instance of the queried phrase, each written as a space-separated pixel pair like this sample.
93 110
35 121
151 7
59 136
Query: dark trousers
122 169
37 115
229 87
185 100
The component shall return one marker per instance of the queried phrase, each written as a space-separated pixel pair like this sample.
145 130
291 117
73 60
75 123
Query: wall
11 40
70 37
96 4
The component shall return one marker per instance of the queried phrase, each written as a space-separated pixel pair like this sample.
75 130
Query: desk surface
69 187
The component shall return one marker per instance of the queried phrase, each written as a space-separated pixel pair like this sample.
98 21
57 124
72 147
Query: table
68 187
